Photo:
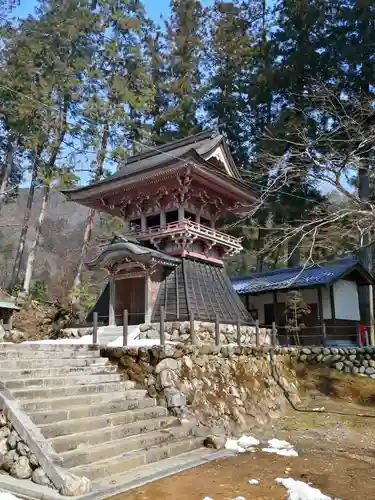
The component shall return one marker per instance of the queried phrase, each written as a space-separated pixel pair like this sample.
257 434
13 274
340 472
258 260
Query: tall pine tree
184 44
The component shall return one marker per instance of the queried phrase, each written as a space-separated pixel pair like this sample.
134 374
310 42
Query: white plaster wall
345 296
258 301
326 299
346 300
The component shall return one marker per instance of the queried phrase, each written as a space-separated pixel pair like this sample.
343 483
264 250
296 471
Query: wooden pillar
333 313
181 212
126 226
248 302
143 222
148 298
321 315
371 305
275 318
163 218
112 301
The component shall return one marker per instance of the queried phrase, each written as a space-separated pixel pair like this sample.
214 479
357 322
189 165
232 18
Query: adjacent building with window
331 290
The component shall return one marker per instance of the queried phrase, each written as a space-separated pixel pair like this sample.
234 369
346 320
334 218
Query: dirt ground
336 450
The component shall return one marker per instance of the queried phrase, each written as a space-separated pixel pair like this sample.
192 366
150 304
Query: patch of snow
231 445
277 443
5 495
242 444
247 442
253 481
282 452
298 490
207 498
239 498
279 447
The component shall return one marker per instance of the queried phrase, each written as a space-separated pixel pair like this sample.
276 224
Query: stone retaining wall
16 459
225 389
205 333
356 360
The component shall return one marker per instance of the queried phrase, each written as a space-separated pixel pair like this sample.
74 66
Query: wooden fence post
217 330
358 330
324 333
95 329
238 331
257 333
162 319
125 324
193 336
274 334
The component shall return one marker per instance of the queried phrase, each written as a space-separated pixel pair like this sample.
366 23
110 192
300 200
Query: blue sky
155 8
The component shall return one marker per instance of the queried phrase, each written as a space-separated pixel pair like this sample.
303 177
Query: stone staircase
101 426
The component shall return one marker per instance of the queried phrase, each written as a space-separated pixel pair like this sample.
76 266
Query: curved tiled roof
298 277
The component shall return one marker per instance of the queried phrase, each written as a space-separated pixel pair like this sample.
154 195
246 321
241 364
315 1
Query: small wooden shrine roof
121 247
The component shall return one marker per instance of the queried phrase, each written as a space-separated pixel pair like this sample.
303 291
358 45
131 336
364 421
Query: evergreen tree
184 42
300 59
47 57
157 60
119 95
231 54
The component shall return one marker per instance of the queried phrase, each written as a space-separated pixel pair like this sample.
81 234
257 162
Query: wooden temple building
171 253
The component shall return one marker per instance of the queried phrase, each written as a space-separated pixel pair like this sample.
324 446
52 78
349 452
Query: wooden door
131 295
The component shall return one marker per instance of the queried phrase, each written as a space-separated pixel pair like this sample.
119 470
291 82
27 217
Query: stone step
132 460
31 354
83 439
74 426
92 410
31 364
96 453
68 379
70 390
67 403
155 470
44 347
41 372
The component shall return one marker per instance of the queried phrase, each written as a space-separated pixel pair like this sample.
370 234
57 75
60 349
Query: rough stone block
174 398
21 468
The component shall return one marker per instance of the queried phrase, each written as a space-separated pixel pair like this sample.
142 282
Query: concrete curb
157 475
26 489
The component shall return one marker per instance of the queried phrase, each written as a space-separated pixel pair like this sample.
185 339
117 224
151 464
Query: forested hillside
85 84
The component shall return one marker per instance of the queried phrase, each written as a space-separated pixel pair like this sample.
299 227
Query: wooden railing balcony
193 228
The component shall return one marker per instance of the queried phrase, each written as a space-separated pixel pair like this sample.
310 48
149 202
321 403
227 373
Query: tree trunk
90 219
25 225
294 253
86 240
7 170
30 198
35 244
